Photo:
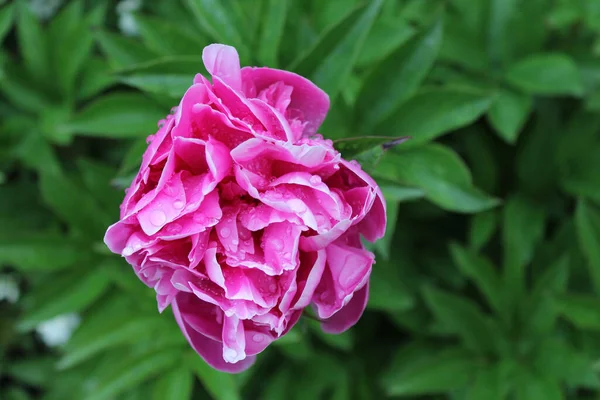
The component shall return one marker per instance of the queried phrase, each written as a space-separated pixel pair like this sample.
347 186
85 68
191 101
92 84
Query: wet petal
349 315
223 61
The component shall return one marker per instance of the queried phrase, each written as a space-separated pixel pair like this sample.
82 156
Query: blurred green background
486 285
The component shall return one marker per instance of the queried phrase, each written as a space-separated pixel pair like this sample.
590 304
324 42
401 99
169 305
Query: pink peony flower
241 215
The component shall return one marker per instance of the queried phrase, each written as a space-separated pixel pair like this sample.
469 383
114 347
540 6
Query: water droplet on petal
127 251
235 242
287 256
320 219
230 355
277 244
158 218
272 287
196 108
277 195
178 204
200 218
258 337
315 180
174 228
225 232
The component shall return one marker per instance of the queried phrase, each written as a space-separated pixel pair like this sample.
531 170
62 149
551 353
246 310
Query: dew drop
196 108
174 228
200 218
258 337
225 232
235 242
315 180
158 218
178 204
127 251
277 195
272 287
277 244
320 219
287 256
230 355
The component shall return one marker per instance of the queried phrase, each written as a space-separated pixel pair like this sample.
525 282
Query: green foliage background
486 285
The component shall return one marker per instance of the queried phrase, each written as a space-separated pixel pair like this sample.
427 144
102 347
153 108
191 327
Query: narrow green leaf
32 42
534 387
434 112
523 228
581 310
166 38
215 18
272 32
220 385
79 296
481 271
121 51
443 372
330 61
134 372
546 74
118 115
173 85
175 385
35 371
384 38
95 77
440 173
462 317
354 146
280 384
490 384
482 228
388 288
6 19
587 222
508 113
500 14
42 252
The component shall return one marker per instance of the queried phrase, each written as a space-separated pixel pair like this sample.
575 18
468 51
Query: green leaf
175 385
118 115
121 51
77 297
95 77
6 19
355 146
329 62
546 74
587 222
343 341
279 385
501 12
440 173
96 178
463 46
216 20
481 271
490 383
173 85
508 114
523 228
441 372
534 387
581 310
388 289
482 228
272 32
462 317
434 112
385 37
132 373
397 78
220 385
32 42
42 252
32 371
167 38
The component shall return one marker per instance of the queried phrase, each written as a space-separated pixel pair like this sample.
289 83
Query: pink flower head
241 215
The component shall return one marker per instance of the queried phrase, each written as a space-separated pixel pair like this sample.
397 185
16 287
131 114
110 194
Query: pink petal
349 314
223 61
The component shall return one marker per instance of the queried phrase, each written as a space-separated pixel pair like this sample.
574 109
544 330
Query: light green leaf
42 252
581 310
491 383
95 77
6 19
166 38
385 37
216 20
508 113
75 298
174 385
463 46
546 74
523 228
500 14
121 51
587 222
440 173
134 372
272 32
482 228
481 271
220 385
173 85
434 112
534 387
441 372
118 115
397 78
32 42
329 63
464 318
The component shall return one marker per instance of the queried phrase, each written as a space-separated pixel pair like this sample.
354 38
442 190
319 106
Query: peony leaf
482 228
587 222
272 32
385 37
7 13
329 62
32 42
167 38
546 74
220 385
581 310
121 51
397 78
41 252
508 113
177 384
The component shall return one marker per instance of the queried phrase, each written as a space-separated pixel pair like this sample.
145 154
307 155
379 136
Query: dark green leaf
501 13
121 51
167 38
173 85
462 317
434 112
32 371
483 226
118 115
440 173
388 288
385 37
32 42
330 61
95 77
508 114
534 387
587 222
220 385
581 310
272 32
546 74
6 19
38 253
397 78
490 383
174 385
